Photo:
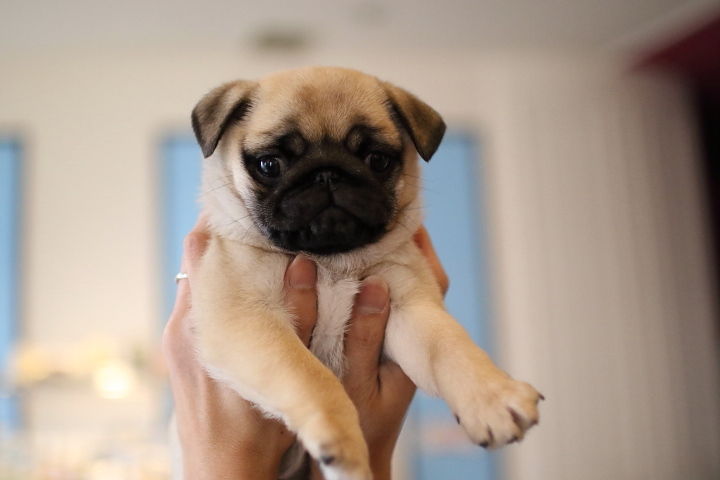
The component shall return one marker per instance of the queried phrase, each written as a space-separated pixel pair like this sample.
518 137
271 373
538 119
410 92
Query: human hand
222 435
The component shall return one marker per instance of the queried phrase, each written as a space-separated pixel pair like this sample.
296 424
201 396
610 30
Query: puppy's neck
231 218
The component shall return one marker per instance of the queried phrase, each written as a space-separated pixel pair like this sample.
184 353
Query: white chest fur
335 303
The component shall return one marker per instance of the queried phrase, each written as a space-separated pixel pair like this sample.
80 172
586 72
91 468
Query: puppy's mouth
333 230
327 218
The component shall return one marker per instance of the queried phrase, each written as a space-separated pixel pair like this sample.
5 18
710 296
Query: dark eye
379 162
269 166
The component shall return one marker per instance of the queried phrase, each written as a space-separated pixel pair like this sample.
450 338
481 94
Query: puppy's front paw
338 446
497 410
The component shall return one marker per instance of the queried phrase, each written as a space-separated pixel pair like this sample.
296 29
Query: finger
182 299
301 295
201 225
176 337
194 246
366 332
176 332
423 241
395 383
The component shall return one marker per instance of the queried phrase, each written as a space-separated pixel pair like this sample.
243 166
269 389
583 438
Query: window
10 157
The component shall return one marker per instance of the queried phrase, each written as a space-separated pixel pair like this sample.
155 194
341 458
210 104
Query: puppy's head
323 159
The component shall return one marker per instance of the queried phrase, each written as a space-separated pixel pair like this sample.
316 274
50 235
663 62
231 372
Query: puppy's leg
257 352
439 356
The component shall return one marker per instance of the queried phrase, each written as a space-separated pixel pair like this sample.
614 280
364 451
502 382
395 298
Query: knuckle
367 325
444 282
194 243
365 337
302 306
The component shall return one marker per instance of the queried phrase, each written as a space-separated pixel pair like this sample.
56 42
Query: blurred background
574 203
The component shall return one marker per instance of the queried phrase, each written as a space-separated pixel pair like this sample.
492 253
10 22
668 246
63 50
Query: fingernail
302 273
373 296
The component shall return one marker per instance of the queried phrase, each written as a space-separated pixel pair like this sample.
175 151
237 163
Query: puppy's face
323 158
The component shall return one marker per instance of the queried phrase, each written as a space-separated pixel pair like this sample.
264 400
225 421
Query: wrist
381 465
258 463
246 462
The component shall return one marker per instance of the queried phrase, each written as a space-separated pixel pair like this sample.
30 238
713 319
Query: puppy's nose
327 177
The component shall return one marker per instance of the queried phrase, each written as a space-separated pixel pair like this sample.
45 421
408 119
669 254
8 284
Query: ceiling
420 24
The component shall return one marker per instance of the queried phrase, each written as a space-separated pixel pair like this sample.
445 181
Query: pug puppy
323 162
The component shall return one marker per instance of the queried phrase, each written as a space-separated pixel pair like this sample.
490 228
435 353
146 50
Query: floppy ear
217 110
425 126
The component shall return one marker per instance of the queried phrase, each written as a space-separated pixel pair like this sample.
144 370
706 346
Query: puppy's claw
515 416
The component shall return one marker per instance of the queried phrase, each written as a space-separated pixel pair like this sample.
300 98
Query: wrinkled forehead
319 108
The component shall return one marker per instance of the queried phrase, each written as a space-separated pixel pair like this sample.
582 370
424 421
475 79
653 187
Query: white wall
603 276
602 294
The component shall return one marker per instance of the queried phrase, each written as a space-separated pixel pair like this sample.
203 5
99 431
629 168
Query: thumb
366 334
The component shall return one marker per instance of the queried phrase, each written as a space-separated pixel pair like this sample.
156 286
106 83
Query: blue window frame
454 216
453 213
10 191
